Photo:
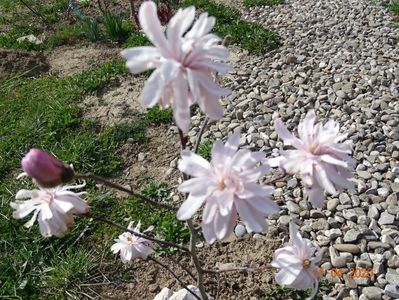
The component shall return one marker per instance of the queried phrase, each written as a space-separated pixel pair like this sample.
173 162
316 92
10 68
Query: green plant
253 37
277 292
157 190
116 28
65 34
160 116
394 8
136 39
90 29
205 149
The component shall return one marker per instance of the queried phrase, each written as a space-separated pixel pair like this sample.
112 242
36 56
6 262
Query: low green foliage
43 113
252 37
205 149
249 3
277 292
157 190
116 28
394 8
90 29
158 116
136 39
65 34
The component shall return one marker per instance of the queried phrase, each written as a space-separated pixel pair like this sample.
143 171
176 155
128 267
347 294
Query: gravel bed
340 58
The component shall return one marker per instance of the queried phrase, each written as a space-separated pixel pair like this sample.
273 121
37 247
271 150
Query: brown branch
239 269
200 133
124 189
174 275
37 13
183 267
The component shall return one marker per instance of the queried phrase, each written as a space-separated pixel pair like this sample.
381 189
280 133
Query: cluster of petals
228 186
185 62
53 208
321 157
298 263
131 246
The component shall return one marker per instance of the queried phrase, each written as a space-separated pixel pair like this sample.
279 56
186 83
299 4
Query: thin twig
37 13
238 269
183 267
174 275
200 133
161 242
200 278
124 189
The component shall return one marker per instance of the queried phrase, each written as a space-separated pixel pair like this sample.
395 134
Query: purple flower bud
45 168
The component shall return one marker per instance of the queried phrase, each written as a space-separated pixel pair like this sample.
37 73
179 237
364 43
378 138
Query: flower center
306 263
222 185
314 147
48 198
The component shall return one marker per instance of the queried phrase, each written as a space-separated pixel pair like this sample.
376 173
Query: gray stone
386 219
373 293
240 230
392 278
332 204
392 290
351 235
351 248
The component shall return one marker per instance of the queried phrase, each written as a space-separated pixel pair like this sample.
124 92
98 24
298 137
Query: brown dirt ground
20 62
146 278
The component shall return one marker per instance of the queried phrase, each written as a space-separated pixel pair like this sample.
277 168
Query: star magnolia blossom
298 263
228 186
184 61
54 208
131 246
321 158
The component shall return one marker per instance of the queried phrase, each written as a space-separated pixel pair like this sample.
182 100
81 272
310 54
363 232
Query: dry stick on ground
174 275
160 242
124 189
239 269
37 13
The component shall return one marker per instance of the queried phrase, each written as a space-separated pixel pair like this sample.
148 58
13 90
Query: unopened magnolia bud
45 168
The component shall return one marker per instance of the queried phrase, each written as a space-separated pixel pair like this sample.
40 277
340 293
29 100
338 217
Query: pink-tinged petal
115 248
202 26
181 109
253 189
316 196
194 165
305 128
254 220
210 210
217 153
210 105
209 233
276 162
223 225
334 161
338 178
152 27
197 186
154 86
26 194
286 276
194 84
323 180
141 58
218 67
295 236
22 209
179 24
263 205
285 258
62 206
286 136
225 200
207 83
189 207
232 144
45 212
315 289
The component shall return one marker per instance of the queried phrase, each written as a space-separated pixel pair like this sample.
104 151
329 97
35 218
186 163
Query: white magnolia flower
320 157
131 246
298 263
228 187
54 208
185 62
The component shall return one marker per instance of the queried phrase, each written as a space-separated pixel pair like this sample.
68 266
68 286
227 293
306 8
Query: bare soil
147 278
20 62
